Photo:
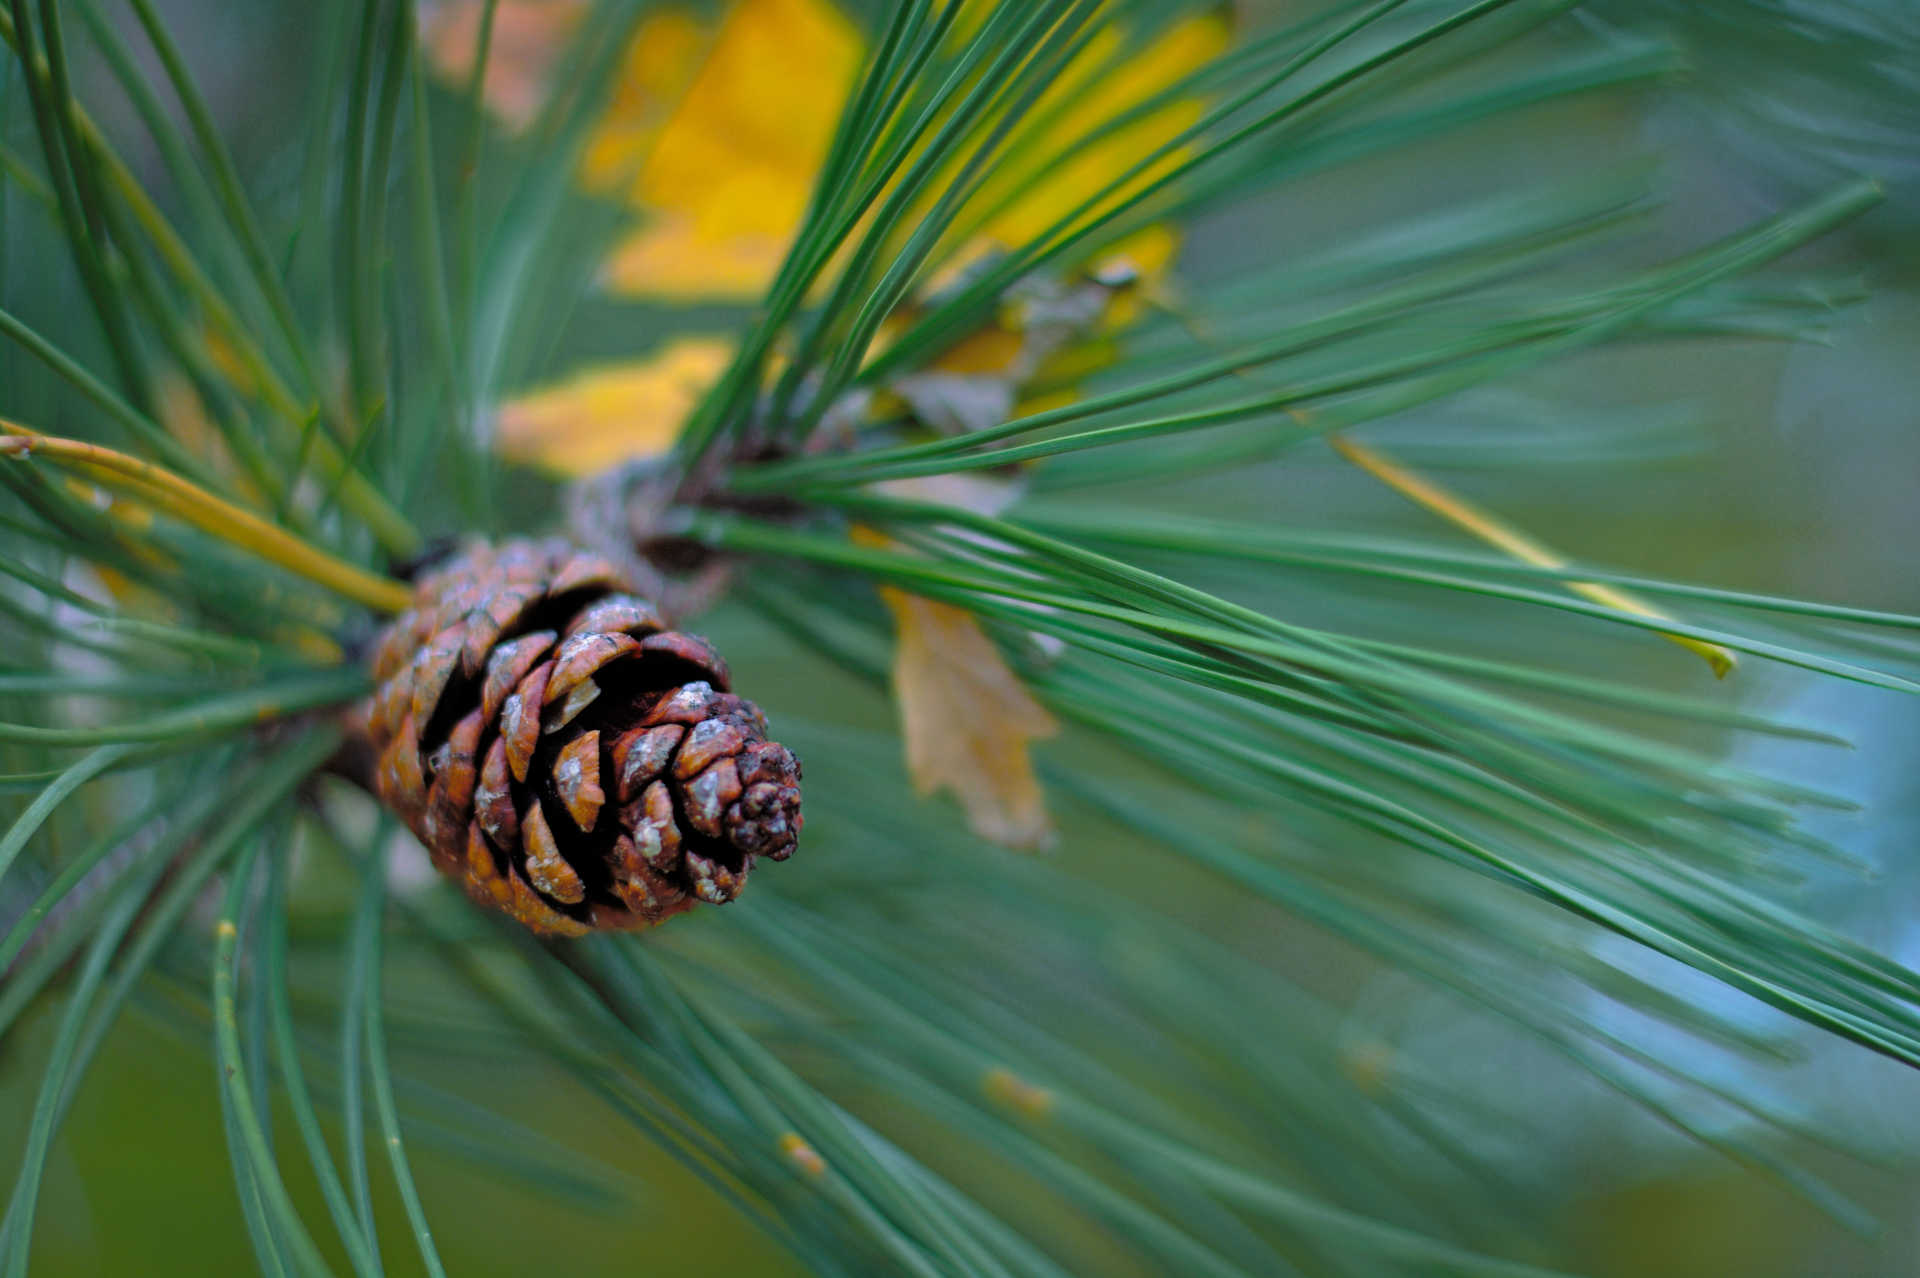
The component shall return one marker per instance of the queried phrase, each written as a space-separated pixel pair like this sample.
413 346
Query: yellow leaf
715 135
967 719
1049 170
716 132
660 63
1058 170
1149 253
725 178
603 416
994 349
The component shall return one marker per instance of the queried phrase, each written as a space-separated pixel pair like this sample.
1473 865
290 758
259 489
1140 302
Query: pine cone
564 755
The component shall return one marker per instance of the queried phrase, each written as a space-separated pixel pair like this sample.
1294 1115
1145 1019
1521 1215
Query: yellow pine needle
1456 510
167 492
1016 1093
388 526
1463 514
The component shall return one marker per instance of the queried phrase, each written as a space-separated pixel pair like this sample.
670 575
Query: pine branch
1283 745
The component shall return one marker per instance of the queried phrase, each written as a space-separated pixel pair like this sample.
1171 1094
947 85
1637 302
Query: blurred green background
1791 470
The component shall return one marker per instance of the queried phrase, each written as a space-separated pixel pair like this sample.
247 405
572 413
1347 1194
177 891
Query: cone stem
167 492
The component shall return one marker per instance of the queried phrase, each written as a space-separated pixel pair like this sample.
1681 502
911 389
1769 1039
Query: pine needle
170 494
1465 515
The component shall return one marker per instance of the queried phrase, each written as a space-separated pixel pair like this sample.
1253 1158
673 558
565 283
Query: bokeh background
1781 469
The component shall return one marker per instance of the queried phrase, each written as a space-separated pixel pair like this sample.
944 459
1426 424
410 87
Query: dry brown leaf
967 719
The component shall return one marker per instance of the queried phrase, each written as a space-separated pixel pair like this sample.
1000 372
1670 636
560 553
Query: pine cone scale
508 665
563 754
641 753
576 775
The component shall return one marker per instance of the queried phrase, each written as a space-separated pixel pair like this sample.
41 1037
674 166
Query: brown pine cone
564 755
